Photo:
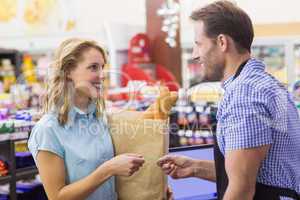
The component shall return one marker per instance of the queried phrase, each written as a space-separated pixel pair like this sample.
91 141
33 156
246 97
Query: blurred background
149 43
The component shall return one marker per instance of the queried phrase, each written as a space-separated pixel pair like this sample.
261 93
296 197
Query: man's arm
242 167
205 169
183 167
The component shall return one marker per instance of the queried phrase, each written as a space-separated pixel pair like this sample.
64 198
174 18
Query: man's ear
223 42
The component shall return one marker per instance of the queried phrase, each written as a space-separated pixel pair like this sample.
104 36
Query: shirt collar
227 82
75 112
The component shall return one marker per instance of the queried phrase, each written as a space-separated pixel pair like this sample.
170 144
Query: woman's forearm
83 188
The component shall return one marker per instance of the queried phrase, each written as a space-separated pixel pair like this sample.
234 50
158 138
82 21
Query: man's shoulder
256 84
249 90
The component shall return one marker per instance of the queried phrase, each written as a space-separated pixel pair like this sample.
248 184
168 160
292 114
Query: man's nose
195 54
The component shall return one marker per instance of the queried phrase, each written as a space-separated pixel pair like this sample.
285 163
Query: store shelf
14 136
4 137
19 136
25 173
5 179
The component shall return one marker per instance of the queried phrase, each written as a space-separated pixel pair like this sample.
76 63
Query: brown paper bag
133 134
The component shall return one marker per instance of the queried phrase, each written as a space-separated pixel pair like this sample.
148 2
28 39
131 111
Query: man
257 151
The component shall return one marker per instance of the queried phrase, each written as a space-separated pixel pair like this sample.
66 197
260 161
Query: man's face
207 53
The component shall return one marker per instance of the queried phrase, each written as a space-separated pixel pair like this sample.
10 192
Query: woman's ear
68 75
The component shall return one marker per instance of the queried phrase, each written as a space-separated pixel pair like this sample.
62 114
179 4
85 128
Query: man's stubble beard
216 73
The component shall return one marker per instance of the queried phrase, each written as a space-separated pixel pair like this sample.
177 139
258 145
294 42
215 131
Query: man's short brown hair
223 17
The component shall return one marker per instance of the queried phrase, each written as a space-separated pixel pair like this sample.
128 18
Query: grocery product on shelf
6 101
31 189
21 97
193 121
274 58
296 94
7 74
29 70
6 127
16 126
21 146
26 190
4 192
195 124
4 113
24 159
3 167
297 60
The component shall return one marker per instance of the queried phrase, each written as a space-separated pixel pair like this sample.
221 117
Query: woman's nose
101 75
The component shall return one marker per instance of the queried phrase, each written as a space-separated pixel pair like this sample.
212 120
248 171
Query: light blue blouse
83 143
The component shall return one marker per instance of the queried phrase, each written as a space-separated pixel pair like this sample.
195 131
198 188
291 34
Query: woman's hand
125 164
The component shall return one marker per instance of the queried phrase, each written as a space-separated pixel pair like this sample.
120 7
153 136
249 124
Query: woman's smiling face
88 76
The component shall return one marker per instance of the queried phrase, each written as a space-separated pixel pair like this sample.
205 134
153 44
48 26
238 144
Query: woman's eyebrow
94 63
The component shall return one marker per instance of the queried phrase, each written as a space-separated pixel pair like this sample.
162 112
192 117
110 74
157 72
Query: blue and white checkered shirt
257 110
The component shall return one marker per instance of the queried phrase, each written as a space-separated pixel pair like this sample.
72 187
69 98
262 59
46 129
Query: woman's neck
81 101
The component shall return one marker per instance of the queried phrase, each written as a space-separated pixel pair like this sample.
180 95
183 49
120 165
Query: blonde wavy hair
59 92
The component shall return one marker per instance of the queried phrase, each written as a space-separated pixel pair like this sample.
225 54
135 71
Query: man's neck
232 64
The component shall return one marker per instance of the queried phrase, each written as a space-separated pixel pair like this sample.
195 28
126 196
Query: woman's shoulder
47 119
47 123
45 136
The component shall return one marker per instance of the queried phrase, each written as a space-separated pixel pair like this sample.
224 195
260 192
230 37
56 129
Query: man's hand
177 166
170 193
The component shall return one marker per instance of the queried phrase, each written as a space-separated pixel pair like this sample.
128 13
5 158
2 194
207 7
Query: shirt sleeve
248 122
43 137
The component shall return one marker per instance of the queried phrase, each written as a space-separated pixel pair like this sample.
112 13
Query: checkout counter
193 188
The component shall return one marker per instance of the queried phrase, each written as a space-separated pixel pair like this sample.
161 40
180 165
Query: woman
71 144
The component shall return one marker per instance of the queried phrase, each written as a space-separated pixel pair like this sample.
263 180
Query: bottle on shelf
191 117
199 139
8 74
182 97
183 141
181 104
29 70
3 167
210 138
181 116
189 134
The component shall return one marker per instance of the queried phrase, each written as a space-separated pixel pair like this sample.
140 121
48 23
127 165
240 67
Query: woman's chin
95 96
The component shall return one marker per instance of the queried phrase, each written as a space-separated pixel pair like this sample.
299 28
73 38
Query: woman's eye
94 67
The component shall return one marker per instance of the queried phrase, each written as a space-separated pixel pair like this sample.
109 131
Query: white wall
123 18
131 12
260 11
126 17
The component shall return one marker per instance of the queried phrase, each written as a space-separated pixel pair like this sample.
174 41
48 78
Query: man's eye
197 59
